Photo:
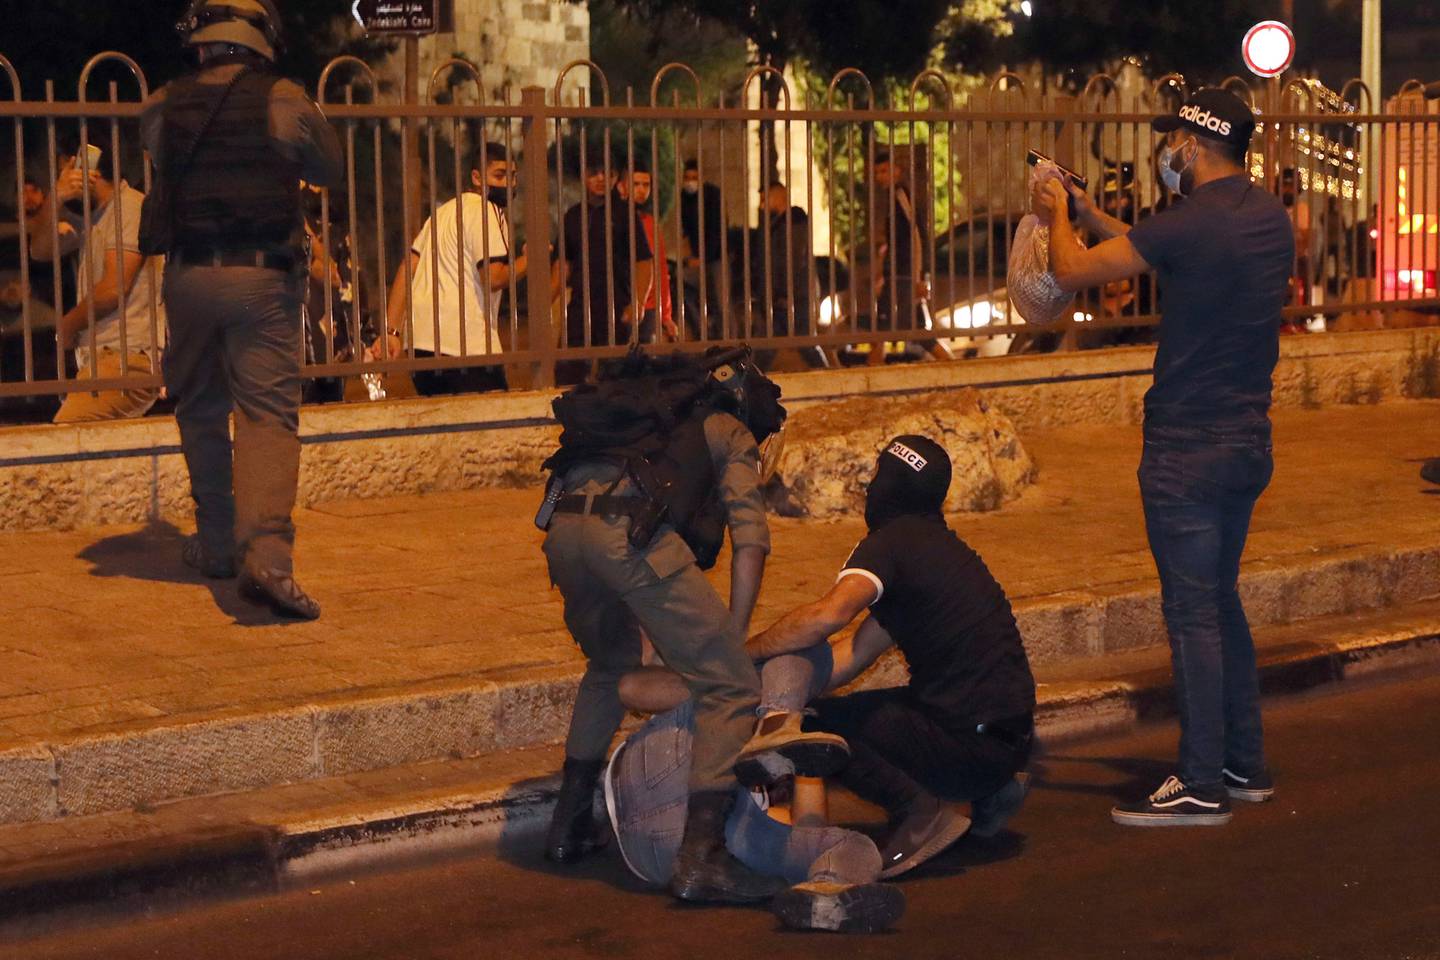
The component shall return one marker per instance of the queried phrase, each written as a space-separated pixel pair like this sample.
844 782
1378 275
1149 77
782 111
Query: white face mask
1168 174
691 186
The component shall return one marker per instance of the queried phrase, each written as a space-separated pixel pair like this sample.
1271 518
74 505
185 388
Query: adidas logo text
1206 119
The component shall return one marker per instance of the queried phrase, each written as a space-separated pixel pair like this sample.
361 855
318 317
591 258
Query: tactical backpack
650 421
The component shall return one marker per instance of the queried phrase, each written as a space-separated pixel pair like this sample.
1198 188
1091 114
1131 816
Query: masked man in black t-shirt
961 729
1223 252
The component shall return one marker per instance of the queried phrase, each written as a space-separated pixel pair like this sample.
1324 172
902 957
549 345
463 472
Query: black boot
704 869
573 832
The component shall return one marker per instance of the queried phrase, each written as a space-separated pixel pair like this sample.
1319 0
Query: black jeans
1199 489
897 750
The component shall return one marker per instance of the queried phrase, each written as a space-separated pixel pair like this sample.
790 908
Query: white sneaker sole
1250 796
1128 818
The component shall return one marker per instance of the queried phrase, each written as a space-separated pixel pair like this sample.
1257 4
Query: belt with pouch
216 257
600 505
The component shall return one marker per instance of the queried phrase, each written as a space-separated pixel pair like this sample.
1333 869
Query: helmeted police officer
651 472
230 144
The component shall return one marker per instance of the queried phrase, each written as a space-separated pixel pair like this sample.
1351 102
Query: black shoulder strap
183 167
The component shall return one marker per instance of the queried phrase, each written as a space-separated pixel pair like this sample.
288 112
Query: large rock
830 452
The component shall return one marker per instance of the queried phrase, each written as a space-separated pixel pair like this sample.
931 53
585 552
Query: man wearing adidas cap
1223 253
960 730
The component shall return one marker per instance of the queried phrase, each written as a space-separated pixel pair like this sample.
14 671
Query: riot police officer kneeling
654 464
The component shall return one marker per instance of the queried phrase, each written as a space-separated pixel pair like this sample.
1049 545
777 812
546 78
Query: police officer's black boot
573 832
704 869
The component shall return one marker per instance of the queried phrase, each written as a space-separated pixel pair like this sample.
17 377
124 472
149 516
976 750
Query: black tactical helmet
741 388
252 24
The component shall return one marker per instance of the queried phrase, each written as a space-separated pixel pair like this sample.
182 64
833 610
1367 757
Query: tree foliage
1201 41
53 39
882 37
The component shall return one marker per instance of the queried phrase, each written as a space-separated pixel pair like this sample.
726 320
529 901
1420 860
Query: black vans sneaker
1256 788
1174 805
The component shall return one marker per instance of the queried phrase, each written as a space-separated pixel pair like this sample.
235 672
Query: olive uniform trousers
611 590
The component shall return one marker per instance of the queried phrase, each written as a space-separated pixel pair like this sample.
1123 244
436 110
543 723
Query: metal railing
891 226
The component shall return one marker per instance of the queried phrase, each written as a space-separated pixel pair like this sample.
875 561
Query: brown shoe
196 557
780 748
279 592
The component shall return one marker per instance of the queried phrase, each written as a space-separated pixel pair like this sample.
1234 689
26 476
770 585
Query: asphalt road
1344 863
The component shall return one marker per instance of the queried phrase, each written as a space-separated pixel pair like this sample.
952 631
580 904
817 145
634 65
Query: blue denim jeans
1199 488
647 790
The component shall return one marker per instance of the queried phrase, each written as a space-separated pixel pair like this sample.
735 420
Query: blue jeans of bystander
1199 488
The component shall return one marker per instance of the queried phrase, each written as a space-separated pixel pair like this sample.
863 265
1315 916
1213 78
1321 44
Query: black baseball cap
1211 112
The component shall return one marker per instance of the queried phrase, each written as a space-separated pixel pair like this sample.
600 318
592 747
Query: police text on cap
911 459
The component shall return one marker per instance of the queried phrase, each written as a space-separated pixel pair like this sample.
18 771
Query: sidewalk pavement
126 680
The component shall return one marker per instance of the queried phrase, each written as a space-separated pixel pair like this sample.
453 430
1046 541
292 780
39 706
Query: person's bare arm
814 622
559 277
747 570
49 240
121 269
652 689
1075 266
398 306
499 272
1094 219
644 282
853 655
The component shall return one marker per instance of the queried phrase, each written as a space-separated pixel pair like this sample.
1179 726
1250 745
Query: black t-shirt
585 227
1224 256
950 619
709 194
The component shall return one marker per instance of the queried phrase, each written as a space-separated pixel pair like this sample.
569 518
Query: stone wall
64 476
515 43
830 452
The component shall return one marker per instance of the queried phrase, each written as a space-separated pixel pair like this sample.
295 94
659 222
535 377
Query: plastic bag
1033 290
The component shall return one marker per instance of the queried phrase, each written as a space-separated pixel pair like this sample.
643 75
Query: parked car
967 290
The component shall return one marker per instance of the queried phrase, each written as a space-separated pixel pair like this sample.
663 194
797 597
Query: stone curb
258 856
1065 712
465 717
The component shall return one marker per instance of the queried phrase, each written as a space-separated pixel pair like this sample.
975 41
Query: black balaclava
912 476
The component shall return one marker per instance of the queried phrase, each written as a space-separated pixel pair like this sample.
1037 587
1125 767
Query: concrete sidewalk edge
469 716
250 856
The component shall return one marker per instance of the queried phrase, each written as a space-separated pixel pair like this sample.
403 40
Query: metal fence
888 233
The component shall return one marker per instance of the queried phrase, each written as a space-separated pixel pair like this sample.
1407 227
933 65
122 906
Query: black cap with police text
1214 113
912 476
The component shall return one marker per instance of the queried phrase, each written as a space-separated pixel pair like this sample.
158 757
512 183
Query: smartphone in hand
1034 157
92 157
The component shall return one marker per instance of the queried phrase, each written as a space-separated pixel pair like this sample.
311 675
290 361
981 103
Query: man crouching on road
961 729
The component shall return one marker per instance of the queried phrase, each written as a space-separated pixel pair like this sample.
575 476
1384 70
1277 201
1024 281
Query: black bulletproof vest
240 192
688 488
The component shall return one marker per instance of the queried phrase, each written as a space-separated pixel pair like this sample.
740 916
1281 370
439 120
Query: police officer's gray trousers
235 343
611 590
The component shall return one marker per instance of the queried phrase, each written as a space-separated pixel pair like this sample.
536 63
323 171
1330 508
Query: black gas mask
912 477
739 387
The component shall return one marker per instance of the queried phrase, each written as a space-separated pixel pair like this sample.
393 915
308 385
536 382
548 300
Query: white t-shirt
98 243
487 238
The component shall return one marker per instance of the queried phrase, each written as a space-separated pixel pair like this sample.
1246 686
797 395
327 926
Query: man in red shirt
636 187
